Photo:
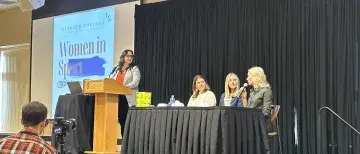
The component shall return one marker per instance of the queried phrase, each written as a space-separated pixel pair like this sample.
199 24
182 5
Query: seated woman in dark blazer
261 94
232 97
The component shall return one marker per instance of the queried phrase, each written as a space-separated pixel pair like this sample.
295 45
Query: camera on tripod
62 128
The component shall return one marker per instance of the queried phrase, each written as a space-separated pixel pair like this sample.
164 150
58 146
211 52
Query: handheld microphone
242 89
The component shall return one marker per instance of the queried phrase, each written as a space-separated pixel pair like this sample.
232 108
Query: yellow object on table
143 99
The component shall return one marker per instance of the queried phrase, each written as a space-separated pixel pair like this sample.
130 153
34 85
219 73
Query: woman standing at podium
127 74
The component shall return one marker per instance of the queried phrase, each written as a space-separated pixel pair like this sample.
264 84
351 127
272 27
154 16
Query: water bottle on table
172 100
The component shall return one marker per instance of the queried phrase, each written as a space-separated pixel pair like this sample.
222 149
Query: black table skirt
81 108
213 130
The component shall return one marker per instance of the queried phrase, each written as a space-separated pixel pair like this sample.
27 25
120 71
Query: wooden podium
106 113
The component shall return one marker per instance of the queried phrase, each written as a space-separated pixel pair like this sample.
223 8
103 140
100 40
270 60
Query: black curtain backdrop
309 50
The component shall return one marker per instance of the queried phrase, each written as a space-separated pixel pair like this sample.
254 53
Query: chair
274 119
274 123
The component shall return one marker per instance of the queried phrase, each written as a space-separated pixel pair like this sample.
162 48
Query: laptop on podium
74 87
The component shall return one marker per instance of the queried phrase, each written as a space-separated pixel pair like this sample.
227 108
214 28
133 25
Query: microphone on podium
113 70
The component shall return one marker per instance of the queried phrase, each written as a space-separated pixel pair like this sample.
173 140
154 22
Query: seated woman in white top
202 96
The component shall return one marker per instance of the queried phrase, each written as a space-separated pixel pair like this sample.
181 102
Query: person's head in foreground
33 116
28 140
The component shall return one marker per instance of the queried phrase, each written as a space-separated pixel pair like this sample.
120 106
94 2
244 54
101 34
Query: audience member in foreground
28 140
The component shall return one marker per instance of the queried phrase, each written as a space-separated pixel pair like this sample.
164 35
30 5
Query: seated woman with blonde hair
202 96
232 97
